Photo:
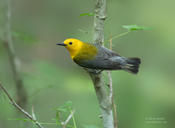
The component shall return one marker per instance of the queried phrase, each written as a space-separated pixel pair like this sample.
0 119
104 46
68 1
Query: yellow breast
87 52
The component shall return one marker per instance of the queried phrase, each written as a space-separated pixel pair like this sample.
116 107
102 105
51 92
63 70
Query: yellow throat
73 46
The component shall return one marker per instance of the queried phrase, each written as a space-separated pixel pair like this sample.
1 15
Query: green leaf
57 119
65 107
57 116
62 109
68 104
87 14
134 27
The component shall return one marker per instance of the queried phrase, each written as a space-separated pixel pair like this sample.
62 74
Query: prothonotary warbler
95 57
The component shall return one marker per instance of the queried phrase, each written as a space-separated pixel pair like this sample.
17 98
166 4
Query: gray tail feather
132 65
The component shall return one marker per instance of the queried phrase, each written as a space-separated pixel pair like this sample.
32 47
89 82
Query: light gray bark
101 91
104 100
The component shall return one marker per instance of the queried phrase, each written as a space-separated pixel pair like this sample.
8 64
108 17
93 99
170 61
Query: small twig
68 119
110 77
74 122
115 37
111 95
115 113
118 36
19 108
33 114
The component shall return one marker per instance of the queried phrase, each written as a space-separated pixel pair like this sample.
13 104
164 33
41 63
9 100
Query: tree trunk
101 91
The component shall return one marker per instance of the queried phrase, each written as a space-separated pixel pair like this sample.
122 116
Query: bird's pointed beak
61 44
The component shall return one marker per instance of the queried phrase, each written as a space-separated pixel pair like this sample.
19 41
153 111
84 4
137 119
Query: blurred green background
146 100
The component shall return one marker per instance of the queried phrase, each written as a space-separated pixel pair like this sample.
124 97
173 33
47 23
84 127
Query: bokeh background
146 100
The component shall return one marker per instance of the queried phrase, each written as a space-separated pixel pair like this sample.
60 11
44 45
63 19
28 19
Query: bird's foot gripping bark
93 71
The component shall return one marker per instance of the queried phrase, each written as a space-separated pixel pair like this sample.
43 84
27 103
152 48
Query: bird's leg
93 71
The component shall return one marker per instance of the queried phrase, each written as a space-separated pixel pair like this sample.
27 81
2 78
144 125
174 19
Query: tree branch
110 86
101 91
14 61
19 108
99 18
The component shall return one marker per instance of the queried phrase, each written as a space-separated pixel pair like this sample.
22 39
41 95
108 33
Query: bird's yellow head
72 45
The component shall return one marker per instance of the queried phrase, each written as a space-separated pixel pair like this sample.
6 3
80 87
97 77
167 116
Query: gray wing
105 59
105 53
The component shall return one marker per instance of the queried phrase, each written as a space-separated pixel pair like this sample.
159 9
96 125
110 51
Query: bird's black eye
70 43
